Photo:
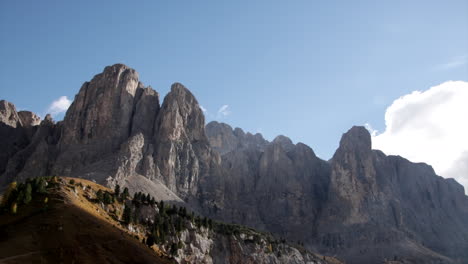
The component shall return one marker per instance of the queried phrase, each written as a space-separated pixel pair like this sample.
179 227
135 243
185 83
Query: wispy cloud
59 106
204 110
453 63
223 111
371 130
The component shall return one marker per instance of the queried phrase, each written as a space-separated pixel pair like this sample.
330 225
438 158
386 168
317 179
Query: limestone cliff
362 205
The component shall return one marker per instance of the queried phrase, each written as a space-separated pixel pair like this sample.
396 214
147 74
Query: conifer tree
99 195
150 240
127 215
125 194
107 198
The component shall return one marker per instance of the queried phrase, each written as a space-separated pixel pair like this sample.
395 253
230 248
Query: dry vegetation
70 228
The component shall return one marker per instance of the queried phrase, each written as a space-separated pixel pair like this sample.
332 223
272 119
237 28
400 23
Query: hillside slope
67 220
67 229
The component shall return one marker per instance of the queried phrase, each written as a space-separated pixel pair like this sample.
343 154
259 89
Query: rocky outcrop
8 114
29 119
207 246
16 132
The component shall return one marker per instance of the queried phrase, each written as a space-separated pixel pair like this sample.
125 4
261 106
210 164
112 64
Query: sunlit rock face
115 129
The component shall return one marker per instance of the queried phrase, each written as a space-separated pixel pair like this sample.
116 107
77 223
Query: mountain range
361 205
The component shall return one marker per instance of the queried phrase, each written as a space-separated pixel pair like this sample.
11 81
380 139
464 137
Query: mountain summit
362 205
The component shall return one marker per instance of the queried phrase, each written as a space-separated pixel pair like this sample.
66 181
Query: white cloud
59 106
430 126
453 63
223 111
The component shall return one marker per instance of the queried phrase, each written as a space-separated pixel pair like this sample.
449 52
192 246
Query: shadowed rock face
361 205
268 184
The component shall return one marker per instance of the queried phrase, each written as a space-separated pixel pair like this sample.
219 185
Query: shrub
8 192
41 185
14 208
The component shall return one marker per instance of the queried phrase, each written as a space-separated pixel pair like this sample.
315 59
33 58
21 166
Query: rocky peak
180 113
102 110
284 142
8 114
356 140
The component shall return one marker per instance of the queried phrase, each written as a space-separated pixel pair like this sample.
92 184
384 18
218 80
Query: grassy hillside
60 225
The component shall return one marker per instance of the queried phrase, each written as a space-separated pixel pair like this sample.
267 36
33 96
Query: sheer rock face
100 118
224 139
267 184
363 206
116 129
182 152
16 132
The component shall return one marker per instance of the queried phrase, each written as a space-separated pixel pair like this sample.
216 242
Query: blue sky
306 69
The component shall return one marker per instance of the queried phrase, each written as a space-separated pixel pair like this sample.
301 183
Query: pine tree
99 195
125 194
162 208
127 215
150 240
117 190
107 198
178 225
173 249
